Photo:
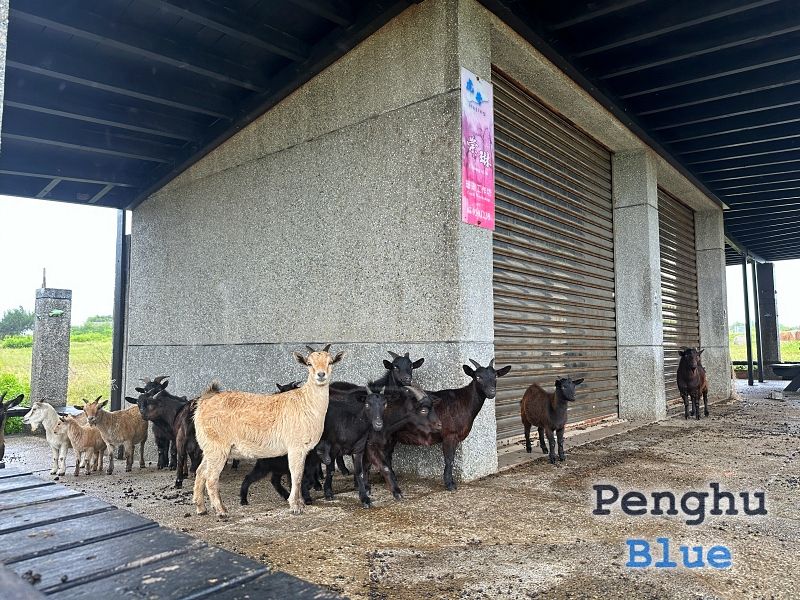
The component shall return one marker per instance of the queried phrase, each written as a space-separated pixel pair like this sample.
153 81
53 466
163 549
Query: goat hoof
561 457
706 413
178 485
450 487
308 501
545 451
297 509
244 502
366 504
201 511
398 495
318 487
222 517
528 449
552 460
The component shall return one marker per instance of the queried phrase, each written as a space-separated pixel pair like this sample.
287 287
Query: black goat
4 408
277 467
548 411
399 372
161 413
407 407
692 382
457 411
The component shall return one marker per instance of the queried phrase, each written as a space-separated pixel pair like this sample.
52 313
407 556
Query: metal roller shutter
554 312
678 285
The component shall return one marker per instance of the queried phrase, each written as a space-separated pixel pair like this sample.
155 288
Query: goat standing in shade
163 424
692 382
262 426
548 411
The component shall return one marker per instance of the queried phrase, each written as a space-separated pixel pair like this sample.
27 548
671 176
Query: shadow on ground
527 532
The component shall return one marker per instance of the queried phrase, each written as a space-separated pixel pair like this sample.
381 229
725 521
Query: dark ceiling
106 100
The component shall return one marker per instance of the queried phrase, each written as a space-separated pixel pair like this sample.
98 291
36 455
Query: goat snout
321 375
377 424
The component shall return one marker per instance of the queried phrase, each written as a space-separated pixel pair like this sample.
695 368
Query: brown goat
86 441
121 427
692 382
548 411
245 425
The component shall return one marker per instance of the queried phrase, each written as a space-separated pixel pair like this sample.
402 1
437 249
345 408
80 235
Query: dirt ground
526 532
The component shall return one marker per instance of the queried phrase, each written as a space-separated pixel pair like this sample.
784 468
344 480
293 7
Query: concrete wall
335 217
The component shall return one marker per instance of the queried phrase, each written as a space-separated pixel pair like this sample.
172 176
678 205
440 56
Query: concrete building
326 207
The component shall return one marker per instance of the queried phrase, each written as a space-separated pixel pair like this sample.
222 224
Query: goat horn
326 348
369 391
474 362
491 364
406 354
145 380
160 378
393 355
98 398
309 348
3 396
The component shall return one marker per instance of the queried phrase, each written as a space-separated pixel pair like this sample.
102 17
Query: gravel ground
526 532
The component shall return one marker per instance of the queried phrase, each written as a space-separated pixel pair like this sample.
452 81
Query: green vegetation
17 341
89 363
15 322
790 351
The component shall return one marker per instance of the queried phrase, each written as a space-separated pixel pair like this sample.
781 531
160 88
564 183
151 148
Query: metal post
120 301
756 307
748 342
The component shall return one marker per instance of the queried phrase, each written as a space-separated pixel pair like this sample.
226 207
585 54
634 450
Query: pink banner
477 151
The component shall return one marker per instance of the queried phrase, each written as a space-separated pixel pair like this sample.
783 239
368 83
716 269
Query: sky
76 244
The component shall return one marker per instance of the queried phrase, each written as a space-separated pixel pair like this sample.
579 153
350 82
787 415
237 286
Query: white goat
244 425
121 427
41 413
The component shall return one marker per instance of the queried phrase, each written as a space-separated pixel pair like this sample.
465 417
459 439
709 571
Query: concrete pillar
768 305
713 301
50 360
640 351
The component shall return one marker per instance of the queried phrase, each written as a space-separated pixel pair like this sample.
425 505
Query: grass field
89 368
790 352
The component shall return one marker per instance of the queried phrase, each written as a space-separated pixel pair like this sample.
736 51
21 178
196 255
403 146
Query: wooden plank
71 568
26 517
12 586
276 586
22 482
199 574
6 472
47 539
37 495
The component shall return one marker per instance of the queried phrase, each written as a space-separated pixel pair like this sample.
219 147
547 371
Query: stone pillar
50 361
768 305
637 255
713 301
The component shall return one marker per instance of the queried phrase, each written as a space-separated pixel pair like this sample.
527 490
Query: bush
15 322
12 386
92 336
17 341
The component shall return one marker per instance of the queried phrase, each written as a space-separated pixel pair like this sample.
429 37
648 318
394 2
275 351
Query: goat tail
213 389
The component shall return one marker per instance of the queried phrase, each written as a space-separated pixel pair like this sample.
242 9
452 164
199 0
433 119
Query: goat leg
449 450
89 460
297 460
112 450
552 443
696 405
342 467
173 455
358 467
705 402
54 470
328 485
542 444
277 482
685 405
78 463
560 437
528 448
128 446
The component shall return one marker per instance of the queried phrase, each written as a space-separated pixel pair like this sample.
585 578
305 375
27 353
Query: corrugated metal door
678 285
553 259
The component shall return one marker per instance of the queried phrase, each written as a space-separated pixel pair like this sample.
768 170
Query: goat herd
303 426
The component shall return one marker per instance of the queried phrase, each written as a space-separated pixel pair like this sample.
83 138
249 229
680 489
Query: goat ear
681 352
337 358
15 401
140 390
468 370
702 350
417 363
78 407
503 371
558 383
389 366
132 400
300 358
102 404
578 381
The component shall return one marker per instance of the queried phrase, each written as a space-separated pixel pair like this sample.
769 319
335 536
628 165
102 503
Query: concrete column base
641 383
716 362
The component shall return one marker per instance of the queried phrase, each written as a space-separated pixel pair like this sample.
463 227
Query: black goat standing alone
548 412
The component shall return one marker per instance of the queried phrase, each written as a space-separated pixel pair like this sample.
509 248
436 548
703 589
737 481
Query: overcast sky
77 245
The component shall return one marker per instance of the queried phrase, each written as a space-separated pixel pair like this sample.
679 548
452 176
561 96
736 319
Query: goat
163 431
692 382
548 411
4 408
408 407
349 420
42 413
86 441
457 411
262 426
278 467
125 427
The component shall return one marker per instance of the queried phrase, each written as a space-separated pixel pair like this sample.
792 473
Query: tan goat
243 425
125 427
86 441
